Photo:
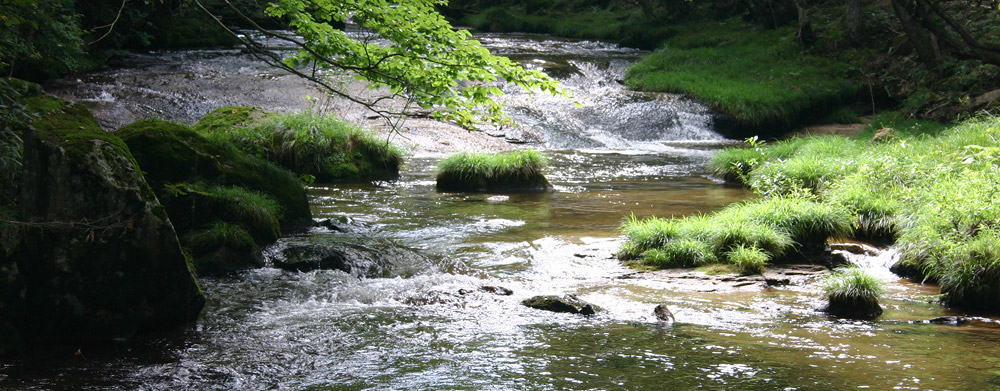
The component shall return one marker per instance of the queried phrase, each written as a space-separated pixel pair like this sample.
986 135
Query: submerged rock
100 260
360 255
566 303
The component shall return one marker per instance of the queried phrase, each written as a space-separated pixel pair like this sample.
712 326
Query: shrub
516 171
853 293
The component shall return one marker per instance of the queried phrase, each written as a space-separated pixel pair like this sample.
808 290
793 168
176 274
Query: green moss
716 269
326 148
229 118
493 172
69 125
758 77
194 205
222 248
170 153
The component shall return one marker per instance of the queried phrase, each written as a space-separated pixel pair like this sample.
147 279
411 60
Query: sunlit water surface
425 325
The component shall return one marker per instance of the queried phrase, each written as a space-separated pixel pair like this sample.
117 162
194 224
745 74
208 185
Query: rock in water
100 260
567 303
663 313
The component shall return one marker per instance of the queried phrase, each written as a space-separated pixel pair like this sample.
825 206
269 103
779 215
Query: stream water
426 324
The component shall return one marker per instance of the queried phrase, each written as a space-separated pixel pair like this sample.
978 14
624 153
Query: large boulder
99 260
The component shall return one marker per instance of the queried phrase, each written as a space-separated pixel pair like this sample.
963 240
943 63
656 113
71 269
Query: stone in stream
566 303
663 313
99 260
496 290
359 255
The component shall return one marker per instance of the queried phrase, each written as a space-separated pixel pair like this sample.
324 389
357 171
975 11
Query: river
427 324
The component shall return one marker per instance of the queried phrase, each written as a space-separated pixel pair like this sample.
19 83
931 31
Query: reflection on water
428 326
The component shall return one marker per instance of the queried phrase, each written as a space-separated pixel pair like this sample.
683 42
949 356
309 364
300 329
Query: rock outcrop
99 260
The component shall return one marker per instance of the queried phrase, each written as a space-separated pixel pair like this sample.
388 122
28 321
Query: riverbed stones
566 303
100 260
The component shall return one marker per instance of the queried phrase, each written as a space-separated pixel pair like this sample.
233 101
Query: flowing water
426 323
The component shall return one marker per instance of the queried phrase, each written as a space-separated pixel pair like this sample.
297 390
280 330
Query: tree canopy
405 46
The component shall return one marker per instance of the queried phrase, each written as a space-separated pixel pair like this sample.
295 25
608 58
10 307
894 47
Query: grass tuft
853 293
748 259
486 172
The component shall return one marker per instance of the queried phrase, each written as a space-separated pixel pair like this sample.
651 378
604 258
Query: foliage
41 38
326 148
930 192
515 171
572 19
417 55
757 76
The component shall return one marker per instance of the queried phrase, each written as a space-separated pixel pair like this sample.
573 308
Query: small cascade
876 261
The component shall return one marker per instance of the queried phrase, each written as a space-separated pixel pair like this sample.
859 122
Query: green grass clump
748 259
746 235
853 293
679 253
808 223
514 171
759 77
328 148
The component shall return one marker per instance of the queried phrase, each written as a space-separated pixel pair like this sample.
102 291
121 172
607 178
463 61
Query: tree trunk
852 20
921 40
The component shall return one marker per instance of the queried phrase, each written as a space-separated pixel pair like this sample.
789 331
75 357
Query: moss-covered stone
228 118
169 153
567 303
99 259
221 249
192 206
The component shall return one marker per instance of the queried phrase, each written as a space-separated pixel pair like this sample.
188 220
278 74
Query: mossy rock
192 206
103 261
230 117
169 153
221 249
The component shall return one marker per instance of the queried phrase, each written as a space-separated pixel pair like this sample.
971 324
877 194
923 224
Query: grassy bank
927 189
758 77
